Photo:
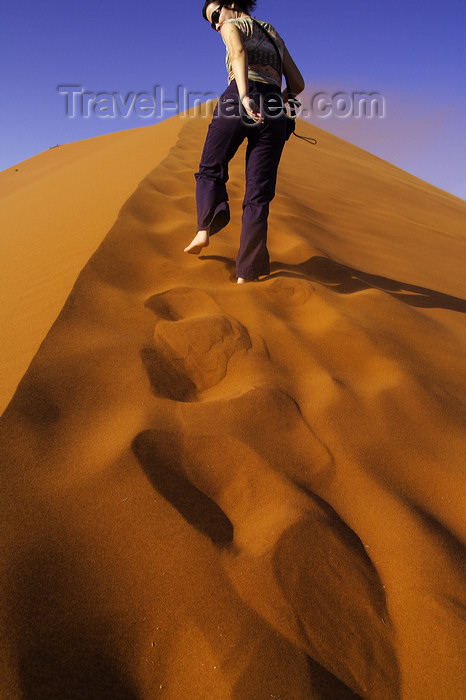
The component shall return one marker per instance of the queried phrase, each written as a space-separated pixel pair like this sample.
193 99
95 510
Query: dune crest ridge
221 491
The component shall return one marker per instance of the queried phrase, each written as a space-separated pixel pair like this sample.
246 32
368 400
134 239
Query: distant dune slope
55 208
221 491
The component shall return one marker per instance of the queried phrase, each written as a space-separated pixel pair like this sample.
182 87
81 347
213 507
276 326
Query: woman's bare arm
239 58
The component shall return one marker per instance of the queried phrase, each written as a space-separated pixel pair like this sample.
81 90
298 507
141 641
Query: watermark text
159 103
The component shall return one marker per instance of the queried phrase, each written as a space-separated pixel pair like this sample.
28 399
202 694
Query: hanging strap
309 139
292 101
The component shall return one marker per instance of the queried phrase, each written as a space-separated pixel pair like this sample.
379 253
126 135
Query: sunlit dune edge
221 491
55 208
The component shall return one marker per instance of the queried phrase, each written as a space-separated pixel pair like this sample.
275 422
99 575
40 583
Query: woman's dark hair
242 5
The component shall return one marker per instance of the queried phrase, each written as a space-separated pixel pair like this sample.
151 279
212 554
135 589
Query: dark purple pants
227 130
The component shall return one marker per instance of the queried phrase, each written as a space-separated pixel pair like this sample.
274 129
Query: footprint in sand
287 292
338 598
193 343
158 452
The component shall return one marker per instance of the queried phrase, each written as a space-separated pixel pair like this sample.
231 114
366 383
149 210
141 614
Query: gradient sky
411 51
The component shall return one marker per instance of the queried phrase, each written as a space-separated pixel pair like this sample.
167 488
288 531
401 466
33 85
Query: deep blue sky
411 51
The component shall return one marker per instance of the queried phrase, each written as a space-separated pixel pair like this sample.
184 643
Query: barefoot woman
250 107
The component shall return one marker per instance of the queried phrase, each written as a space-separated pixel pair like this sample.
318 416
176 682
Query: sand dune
214 491
55 208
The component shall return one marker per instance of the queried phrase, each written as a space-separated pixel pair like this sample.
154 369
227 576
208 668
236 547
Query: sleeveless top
263 63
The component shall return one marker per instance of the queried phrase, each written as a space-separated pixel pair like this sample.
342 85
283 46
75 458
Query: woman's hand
252 109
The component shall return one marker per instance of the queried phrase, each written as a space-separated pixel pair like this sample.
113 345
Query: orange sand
212 491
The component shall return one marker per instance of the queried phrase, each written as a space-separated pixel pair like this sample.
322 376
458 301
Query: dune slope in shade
221 491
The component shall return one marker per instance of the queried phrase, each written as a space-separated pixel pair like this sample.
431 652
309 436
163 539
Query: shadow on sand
346 280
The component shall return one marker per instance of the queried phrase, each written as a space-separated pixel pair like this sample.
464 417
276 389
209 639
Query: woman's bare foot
242 280
200 241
